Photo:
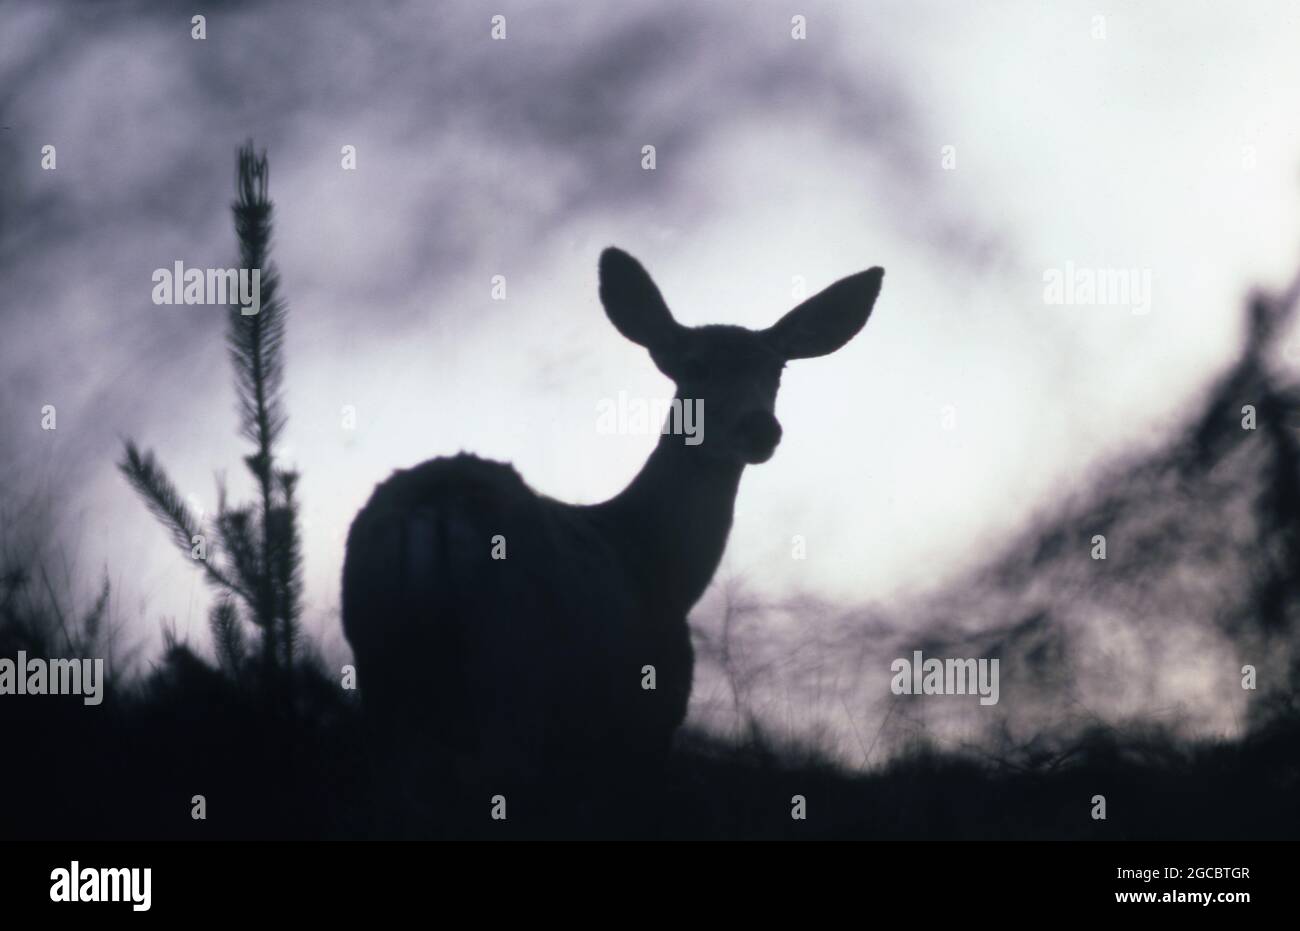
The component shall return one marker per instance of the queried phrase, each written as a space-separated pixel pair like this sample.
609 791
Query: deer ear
635 306
829 319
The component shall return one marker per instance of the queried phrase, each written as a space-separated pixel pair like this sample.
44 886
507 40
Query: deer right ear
829 319
635 306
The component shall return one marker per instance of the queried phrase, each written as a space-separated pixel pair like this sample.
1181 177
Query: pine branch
259 543
152 484
287 563
256 340
160 495
256 343
228 635
236 536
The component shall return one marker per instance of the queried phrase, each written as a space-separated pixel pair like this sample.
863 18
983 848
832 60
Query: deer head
734 371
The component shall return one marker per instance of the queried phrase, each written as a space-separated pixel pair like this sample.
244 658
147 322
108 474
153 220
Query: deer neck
670 524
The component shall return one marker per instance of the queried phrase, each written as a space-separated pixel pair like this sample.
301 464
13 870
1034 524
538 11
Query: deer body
542 657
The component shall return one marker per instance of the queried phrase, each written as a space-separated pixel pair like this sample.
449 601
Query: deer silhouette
548 654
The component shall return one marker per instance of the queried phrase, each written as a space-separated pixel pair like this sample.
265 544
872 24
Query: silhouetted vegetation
1211 520
253 554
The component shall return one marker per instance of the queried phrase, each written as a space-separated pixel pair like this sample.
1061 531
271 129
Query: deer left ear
828 319
634 305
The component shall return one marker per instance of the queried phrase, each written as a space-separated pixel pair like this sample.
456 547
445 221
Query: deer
503 625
